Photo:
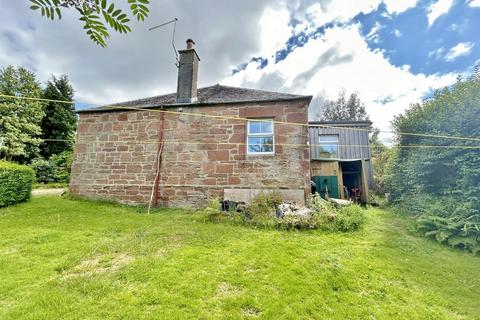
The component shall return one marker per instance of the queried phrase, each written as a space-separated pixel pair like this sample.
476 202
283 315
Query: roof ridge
258 90
215 94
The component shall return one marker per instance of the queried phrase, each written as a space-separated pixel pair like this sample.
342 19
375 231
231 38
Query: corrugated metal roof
217 94
348 123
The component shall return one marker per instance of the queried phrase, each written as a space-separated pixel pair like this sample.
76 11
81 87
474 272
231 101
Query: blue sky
407 38
393 53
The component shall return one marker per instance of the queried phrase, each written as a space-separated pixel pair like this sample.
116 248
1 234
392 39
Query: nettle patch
267 210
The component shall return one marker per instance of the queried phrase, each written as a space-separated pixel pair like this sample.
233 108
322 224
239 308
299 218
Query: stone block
224 168
222 155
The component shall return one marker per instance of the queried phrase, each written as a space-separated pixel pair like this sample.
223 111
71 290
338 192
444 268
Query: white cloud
339 10
397 33
275 30
474 3
315 13
436 53
324 11
144 61
341 59
138 64
437 9
399 6
461 49
374 35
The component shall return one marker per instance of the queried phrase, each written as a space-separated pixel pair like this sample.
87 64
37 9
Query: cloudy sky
392 52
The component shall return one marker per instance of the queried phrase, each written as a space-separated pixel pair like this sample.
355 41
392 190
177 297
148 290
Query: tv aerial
174 21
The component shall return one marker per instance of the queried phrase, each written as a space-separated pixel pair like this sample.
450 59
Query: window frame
329 143
260 135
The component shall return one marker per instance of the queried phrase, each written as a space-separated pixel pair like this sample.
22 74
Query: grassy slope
77 259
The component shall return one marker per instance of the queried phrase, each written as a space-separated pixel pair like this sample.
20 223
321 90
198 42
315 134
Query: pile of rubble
292 209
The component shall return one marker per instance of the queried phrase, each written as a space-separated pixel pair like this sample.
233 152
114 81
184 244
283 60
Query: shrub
457 225
320 206
440 186
262 212
213 209
350 218
328 217
56 169
62 164
297 222
15 183
43 170
264 205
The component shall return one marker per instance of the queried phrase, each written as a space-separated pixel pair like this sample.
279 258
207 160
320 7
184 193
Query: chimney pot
190 44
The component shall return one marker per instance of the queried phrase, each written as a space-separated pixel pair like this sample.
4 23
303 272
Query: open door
365 190
355 180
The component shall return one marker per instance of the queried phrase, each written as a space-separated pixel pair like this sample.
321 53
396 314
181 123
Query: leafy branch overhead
96 15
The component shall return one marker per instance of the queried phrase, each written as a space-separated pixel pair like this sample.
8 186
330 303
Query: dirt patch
8 251
228 290
251 312
49 192
98 265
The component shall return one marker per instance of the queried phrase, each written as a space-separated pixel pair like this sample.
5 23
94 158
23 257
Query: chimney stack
187 74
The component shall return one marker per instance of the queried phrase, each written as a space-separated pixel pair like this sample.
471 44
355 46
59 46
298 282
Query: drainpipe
156 184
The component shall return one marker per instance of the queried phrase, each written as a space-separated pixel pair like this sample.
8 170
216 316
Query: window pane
254 127
329 151
267 127
260 127
328 138
260 144
328 145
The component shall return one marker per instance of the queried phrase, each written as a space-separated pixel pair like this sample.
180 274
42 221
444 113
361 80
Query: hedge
15 183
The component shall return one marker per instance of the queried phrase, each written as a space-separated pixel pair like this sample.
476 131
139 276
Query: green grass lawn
72 259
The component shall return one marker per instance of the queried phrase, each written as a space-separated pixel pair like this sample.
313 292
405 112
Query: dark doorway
352 179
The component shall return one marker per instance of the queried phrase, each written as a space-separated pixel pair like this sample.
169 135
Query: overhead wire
273 144
120 107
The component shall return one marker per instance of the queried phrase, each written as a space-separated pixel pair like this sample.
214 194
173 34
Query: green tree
19 119
95 15
60 119
343 109
380 155
441 185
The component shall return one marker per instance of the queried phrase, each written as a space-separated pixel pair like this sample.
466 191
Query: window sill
256 155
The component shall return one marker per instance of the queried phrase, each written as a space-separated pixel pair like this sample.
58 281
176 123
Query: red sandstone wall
116 151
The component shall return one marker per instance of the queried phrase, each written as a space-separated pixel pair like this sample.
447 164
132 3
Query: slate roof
217 94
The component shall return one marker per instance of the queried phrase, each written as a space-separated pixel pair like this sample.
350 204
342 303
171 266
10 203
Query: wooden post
340 181
156 186
365 190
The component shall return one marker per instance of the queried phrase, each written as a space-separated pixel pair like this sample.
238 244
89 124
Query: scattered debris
292 209
340 202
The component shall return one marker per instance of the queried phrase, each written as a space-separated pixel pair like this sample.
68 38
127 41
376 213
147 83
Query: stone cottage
183 148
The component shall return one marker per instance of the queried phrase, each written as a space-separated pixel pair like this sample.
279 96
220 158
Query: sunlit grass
72 259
